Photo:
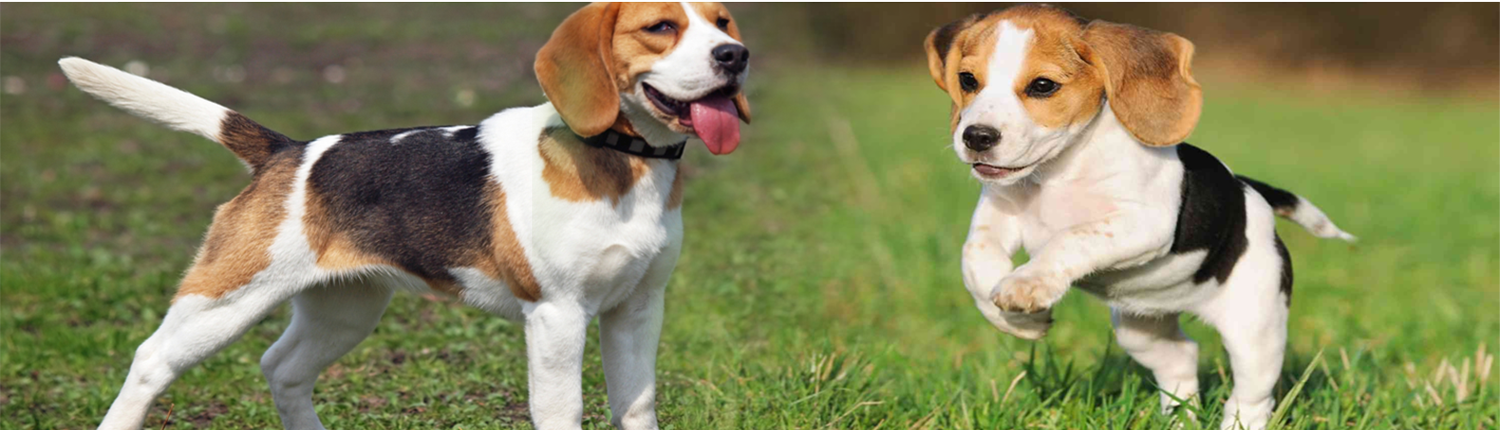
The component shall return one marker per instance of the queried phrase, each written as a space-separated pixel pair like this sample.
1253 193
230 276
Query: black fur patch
1282 201
1212 215
419 203
1286 270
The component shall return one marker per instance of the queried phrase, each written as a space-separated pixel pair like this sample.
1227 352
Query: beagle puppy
550 215
1075 129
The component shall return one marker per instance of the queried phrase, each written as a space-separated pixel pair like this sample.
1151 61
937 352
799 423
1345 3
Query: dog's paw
1027 294
1031 326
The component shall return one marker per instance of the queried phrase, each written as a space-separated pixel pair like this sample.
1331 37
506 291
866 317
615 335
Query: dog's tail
178 110
1298 210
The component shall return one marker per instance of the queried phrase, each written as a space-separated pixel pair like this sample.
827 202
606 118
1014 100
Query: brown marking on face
674 198
506 259
963 46
577 172
1056 53
239 240
636 49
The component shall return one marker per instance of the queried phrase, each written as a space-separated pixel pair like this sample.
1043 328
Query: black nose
732 58
981 137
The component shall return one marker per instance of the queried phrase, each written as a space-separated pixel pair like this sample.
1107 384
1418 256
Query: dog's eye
662 27
967 81
1042 87
723 24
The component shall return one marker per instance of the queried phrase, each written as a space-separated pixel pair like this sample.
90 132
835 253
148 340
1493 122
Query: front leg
628 336
555 333
1114 242
994 235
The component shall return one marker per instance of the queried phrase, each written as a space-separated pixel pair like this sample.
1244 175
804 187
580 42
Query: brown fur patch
577 172
674 198
249 140
239 240
506 260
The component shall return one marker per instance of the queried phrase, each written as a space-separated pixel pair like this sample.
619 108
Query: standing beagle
1075 130
551 215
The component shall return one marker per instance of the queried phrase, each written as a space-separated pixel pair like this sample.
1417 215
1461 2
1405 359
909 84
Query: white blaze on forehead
1011 46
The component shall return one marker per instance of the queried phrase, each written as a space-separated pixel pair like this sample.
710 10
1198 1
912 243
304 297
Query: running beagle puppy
1075 130
551 215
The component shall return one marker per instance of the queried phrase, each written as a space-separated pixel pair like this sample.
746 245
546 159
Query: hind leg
195 328
327 322
1159 344
1251 317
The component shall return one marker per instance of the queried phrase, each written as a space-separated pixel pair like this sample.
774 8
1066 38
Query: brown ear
939 43
1148 79
574 69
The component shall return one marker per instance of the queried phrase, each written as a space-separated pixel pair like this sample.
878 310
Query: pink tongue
717 123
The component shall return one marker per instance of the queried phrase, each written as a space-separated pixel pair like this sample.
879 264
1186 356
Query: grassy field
819 286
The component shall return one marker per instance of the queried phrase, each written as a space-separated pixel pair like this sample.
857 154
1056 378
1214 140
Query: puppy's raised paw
1026 294
1032 326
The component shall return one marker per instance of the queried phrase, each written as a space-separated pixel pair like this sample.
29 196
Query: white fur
610 259
1097 209
146 98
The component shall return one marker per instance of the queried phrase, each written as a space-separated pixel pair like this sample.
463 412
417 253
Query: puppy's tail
176 109
1298 210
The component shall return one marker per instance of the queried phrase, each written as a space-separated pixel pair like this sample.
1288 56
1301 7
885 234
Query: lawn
819 284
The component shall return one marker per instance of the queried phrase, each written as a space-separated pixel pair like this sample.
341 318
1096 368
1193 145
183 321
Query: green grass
819 284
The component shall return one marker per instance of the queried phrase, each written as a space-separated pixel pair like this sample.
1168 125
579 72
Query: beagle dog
550 215
1076 129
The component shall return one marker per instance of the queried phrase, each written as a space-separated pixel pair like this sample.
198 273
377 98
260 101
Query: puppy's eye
723 24
1042 87
662 27
967 82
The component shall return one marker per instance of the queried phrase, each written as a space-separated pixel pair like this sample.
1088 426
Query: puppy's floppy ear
575 69
1148 79
939 43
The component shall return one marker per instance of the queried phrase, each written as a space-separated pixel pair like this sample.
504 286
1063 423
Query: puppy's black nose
981 137
732 58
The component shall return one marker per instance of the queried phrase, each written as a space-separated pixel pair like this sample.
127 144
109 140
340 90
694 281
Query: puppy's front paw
1027 294
1028 326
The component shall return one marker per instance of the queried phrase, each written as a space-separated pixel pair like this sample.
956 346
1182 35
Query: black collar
634 145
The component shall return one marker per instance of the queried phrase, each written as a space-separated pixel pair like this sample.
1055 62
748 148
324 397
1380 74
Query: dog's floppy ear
939 44
575 69
1148 79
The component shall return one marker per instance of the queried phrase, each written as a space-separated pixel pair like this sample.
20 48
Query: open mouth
713 117
990 171
683 110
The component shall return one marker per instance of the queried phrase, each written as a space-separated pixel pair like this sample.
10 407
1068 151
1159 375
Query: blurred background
821 261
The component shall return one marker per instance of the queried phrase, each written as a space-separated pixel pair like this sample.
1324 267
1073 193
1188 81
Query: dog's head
1028 81
664 71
